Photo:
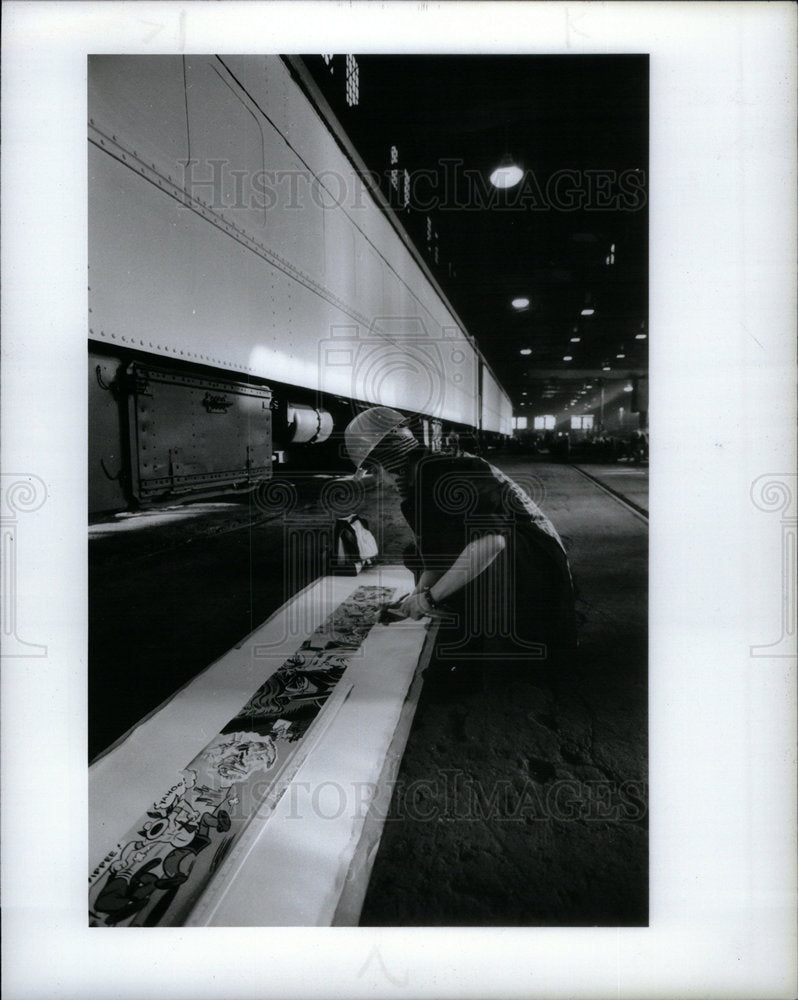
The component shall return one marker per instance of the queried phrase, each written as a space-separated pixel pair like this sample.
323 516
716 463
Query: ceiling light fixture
628 387
567 357
587 312
575 340
640 336
620 356
507 174
520 303
526 350
606 368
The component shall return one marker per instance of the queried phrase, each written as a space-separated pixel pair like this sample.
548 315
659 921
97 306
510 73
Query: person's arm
474 558
427 579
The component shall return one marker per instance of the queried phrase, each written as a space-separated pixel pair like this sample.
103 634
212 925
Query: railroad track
635 508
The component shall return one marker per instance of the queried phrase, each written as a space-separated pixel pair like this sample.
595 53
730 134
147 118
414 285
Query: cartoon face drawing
175 825
240 755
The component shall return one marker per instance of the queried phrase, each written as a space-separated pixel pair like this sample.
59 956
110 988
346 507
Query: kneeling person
486 554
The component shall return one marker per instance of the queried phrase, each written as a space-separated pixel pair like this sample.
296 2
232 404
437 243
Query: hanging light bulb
507 174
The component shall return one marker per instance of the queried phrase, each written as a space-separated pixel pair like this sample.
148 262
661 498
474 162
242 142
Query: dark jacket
524 599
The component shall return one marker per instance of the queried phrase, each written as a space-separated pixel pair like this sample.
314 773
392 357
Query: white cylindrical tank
307 425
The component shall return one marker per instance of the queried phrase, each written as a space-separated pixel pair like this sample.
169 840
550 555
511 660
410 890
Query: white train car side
248 289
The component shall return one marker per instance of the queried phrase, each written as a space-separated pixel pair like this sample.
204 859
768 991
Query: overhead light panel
606 368
640 336
568 358
520 303
587 312
507 174
620 356
526 350
575 340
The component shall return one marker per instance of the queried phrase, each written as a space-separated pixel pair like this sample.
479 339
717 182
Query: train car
249 287
253 286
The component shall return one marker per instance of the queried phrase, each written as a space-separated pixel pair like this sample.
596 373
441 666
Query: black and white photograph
413 555
351 318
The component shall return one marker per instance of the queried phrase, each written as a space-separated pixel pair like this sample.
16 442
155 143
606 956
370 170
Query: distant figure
638 451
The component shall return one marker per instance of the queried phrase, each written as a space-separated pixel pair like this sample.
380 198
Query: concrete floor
521 802
524 803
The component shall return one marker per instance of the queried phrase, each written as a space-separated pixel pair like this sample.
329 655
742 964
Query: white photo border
722 410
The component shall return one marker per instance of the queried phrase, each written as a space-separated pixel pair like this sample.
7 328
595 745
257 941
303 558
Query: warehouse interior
550 275
519 799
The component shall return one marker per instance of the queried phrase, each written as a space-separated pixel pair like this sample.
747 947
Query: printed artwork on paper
156 872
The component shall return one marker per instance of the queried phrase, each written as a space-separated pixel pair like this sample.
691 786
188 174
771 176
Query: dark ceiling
572 234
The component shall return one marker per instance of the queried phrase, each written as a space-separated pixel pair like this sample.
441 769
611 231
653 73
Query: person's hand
415 606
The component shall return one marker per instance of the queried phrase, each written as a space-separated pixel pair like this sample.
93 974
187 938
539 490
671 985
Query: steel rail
636 509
